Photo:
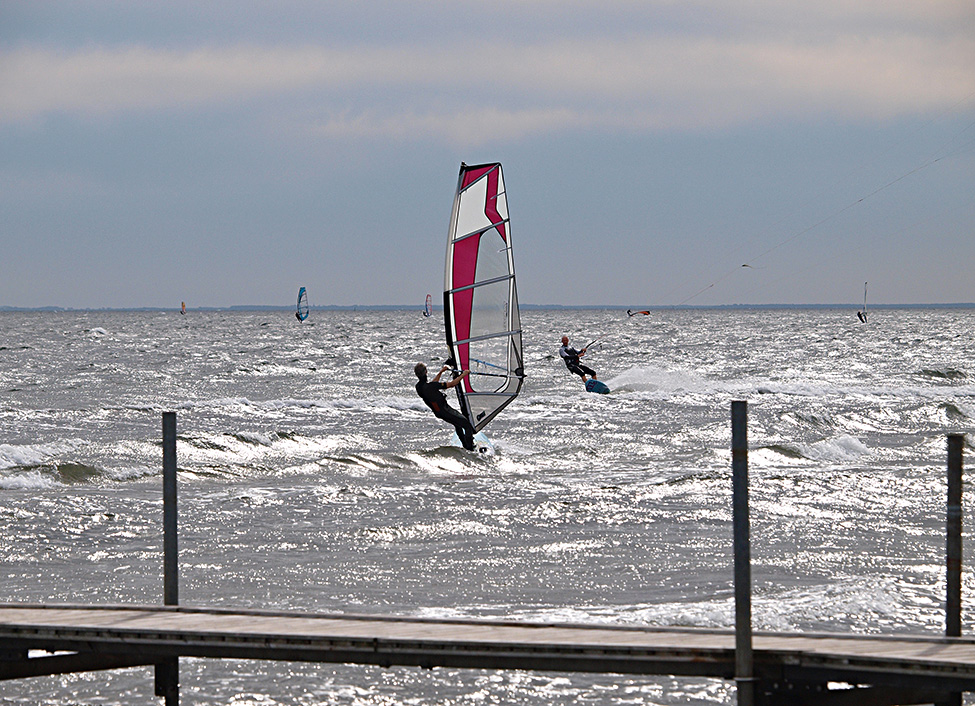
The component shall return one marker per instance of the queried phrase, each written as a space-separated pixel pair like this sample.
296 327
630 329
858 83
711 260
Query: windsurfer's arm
442 371
457 379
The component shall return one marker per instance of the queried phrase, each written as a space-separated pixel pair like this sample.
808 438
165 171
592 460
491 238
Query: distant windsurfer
862 315
430 392
571 358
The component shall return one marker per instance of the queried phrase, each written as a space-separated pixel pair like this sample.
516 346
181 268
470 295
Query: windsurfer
430 392
571 358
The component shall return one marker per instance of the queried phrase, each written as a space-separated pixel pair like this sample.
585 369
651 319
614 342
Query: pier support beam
744 660
167 671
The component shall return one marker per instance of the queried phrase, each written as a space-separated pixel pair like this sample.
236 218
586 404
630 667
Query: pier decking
118 636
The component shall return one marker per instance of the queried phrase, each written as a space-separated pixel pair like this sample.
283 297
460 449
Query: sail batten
483 325
480 231
481 284
486 337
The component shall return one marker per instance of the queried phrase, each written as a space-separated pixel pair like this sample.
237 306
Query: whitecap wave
32 480
31 455
840 448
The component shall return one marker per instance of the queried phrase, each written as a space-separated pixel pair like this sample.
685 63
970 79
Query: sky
655 152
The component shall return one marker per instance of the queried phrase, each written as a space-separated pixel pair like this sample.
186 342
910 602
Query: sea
312 478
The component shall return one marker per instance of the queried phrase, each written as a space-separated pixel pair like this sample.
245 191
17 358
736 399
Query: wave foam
658 380
841 448
33 480
32 455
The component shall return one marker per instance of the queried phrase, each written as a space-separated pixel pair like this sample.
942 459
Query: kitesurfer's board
481 443
597 386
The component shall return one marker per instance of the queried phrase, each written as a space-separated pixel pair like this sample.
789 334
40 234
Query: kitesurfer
430 392
571 357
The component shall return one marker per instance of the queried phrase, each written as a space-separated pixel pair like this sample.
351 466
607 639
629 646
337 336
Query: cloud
641 84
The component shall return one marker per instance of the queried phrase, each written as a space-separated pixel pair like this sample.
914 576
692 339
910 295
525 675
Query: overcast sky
228 152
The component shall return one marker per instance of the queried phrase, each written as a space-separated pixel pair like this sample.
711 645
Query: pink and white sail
481 316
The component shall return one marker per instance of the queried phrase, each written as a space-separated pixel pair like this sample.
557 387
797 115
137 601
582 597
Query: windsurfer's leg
465 432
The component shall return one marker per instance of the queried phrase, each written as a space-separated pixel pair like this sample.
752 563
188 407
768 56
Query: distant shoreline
525 307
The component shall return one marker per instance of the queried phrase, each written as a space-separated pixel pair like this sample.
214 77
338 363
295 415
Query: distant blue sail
302 312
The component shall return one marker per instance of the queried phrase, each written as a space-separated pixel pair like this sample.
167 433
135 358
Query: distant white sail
481 317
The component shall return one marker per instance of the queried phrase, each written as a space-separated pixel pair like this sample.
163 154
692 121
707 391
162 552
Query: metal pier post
744 661
953 579
953 602
167 671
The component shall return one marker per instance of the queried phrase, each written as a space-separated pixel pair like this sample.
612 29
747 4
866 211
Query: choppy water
313 478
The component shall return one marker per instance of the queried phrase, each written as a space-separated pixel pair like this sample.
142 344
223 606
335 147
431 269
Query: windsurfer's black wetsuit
431 394
571 358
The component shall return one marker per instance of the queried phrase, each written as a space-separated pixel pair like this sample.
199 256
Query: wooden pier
770 669
791 667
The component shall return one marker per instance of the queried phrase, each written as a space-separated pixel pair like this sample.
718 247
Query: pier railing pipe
953 602
744 662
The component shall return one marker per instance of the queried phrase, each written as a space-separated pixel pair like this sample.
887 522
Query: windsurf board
482 444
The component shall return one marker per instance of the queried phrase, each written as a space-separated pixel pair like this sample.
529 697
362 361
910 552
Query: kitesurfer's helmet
421 371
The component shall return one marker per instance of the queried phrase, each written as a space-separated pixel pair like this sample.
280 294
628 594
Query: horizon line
408 307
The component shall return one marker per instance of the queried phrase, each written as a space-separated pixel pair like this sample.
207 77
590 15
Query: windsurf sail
862 314
481 315
629 312
301 313
428 307
182 308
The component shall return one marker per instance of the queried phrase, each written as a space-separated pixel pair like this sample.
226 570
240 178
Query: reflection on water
313 478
